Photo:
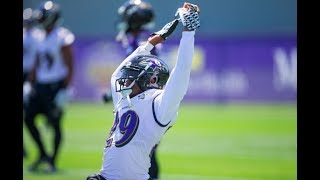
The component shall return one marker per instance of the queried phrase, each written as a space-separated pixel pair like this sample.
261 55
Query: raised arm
145 49
156 38
168 102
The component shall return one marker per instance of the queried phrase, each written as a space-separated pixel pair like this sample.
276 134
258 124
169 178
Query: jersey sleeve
141 50
168 102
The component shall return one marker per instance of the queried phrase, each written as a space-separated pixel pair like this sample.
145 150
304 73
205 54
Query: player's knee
54 116
56 113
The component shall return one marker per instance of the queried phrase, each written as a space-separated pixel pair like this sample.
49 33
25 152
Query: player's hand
189 16
62 97
107 96
166 30
27 90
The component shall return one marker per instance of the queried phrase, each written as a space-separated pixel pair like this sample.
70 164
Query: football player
50 78
146 99
136 19
32 36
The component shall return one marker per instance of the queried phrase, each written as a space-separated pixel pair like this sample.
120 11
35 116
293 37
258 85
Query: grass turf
221 142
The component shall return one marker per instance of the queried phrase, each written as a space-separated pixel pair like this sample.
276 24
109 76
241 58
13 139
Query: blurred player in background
49 80
32 36
135 24
146 98
134 28
136 19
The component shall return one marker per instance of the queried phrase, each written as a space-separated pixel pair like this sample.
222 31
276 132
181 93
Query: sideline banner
223 70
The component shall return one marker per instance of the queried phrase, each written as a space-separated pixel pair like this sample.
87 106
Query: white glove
63 97
189 19
27 89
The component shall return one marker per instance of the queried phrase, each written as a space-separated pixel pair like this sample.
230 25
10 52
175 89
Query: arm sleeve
168 102
141 50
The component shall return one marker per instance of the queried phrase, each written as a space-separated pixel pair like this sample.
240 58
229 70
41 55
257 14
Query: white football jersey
31 40
51 66
137 130
133 135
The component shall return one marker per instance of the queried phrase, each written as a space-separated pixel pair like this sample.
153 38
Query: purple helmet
141 69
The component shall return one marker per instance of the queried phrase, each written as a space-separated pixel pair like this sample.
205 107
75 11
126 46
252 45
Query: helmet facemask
127 74
130 75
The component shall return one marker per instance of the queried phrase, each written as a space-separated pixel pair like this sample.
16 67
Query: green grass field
220 142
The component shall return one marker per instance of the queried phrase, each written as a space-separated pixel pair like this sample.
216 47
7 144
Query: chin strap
129 102
126 94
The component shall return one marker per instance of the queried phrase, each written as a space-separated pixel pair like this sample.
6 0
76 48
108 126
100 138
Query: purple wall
261 69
